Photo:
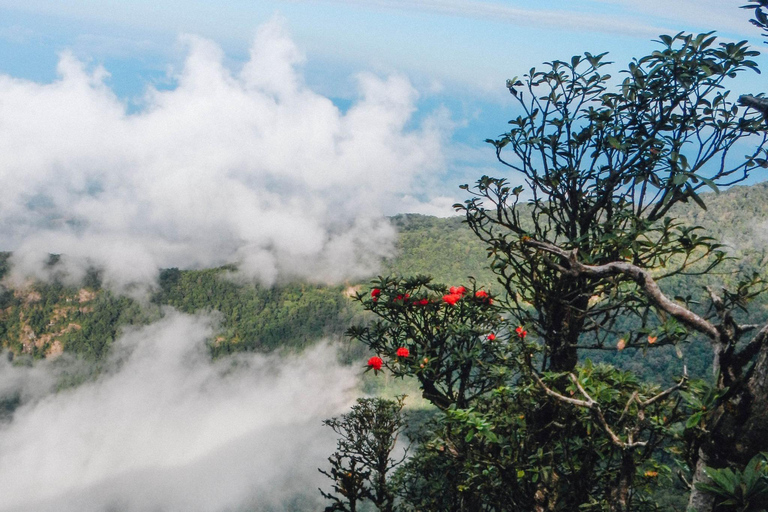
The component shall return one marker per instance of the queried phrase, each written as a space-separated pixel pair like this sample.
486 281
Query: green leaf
693 420
693 195
711 184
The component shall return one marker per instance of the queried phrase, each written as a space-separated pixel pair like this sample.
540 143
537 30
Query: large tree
582 238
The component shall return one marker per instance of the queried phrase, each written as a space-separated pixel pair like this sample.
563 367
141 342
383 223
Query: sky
456 54
137 135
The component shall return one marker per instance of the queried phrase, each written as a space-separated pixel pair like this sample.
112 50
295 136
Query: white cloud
692 15
645 19
250 166
563 18
164 428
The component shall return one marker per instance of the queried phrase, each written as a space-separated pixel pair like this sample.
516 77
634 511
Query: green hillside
44 319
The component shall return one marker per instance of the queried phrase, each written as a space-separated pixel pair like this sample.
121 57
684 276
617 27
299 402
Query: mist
165 429
234 164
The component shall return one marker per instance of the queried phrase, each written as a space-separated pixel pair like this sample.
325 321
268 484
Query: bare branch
593 406
667 391
558 396
641 276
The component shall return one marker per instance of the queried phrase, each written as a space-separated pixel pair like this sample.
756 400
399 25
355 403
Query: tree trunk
620 493
700 501
565 323
738 429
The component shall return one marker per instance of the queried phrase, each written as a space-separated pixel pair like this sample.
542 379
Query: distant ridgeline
44 319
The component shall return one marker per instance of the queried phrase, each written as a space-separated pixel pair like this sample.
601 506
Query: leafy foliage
488 449
368 435
446 334
742 491
604 170
524 426
761 18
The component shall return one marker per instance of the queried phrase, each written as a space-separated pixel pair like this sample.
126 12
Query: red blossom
483 296
375 294
422 302
375 362
403 352
491 337
457 290
452 298
521 332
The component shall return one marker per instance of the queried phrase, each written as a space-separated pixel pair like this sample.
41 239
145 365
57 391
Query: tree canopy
580 236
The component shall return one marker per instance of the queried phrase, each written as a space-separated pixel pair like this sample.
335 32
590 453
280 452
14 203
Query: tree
581 263
605 169
362 462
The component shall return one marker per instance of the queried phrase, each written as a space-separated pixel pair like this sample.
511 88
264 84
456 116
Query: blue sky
456 53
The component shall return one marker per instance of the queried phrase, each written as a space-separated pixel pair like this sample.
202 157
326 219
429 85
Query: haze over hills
43 319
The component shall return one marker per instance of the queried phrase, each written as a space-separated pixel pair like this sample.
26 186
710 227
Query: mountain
44 319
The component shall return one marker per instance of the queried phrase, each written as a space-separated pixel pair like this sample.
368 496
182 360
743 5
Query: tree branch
593 406
641 276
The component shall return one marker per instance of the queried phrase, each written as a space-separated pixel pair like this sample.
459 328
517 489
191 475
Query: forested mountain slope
44 319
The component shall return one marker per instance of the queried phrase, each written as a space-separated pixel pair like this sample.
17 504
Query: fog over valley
164 428
248 167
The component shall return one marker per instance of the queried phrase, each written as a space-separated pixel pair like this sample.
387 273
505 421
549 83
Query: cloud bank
165 429
246 166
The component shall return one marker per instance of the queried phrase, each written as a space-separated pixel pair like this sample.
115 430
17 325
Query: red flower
375 362
403 298
521 332
483 296
457 290
403 352
422 302
491 337
452 298
375 294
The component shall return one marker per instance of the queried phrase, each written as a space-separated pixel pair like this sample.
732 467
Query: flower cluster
375 363
454 295
483 296
522 333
